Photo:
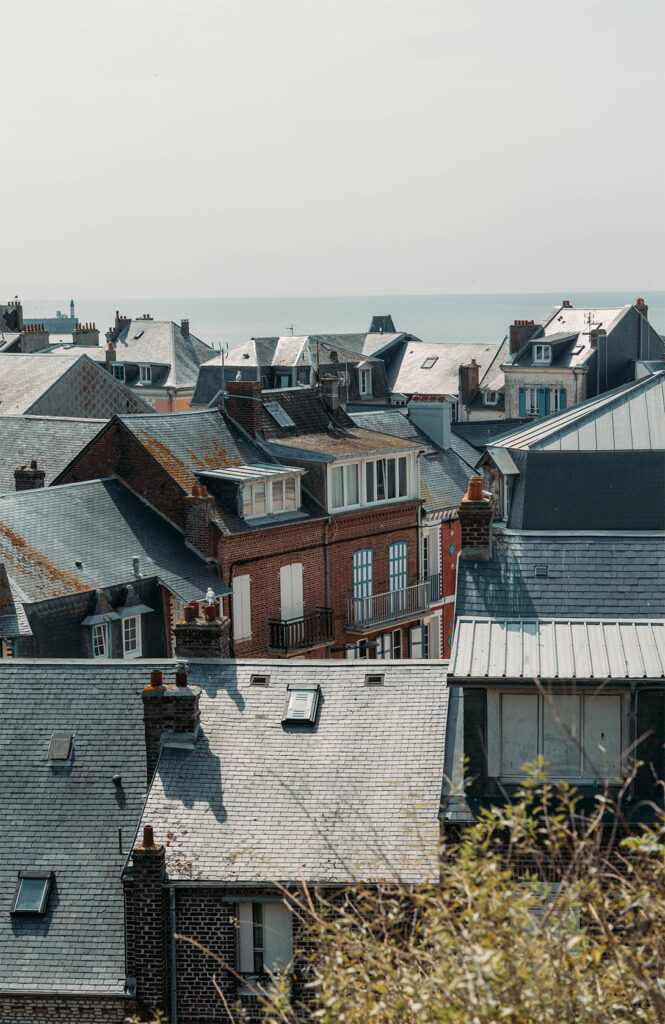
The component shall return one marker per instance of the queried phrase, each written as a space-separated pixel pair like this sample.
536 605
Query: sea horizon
445 318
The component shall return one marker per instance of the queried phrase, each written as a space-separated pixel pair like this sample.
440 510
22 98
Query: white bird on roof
210 596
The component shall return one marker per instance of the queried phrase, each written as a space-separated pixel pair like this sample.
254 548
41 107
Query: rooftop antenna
290 327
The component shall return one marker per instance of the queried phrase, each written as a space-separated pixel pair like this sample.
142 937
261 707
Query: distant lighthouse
71 308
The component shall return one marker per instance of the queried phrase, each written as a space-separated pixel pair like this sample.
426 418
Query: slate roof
354 796
66 819
102 524
13 620
331 446
629 417
590 574
52 440
71 382
616 649
480 433
397 423
572 490
161 343
406 375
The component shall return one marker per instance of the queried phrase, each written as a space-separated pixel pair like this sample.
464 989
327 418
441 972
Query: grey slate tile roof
71 385
52 440
480 433
162 343
102 524
397 423
66 819
13 620
407 377
354 796
594 574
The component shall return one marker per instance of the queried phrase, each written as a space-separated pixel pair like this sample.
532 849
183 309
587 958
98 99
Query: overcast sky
331 147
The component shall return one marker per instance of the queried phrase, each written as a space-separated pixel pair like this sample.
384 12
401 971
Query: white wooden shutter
245 939
417 642
384 646
351 651
290 587
562 735
277 937
242 614
602 735
519 732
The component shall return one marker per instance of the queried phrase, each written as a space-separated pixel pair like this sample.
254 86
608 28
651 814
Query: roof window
429 363
60 747
138 334
256 680
301 704
32 892
279 414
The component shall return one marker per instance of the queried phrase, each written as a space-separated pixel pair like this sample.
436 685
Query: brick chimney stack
475 516
109 355
594 334
184 328
468 376
330 392
243 404
29 478
520 332
642 308
86 335
203 633
199 508
146 917
170 712
35 338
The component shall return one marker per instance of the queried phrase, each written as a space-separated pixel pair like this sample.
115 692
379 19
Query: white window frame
119 372
542 354
134 652
365 382
494 734
250 488
555 399
103 635
242 607
362 488
145 373
491 397
531 400
268 945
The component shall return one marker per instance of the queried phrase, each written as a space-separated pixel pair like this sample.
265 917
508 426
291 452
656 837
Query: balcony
434 583
365 613
289 636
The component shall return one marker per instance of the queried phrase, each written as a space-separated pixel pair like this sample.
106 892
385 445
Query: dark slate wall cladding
651 726
589 491
475 740
58 633
22 1009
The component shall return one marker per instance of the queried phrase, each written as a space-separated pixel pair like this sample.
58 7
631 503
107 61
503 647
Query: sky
331 147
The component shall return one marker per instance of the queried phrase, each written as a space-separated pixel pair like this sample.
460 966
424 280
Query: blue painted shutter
351 651
417 642
542 399
397 565
522 402
384 647
363 584
562 399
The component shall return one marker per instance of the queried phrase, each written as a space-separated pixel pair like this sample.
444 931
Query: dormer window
365 383
542 354
369 482
145 374
270 497
119 371
491 397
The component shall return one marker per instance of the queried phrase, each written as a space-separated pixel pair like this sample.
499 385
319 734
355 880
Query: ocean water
439 318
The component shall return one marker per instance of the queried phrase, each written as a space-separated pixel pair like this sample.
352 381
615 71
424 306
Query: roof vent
540 570
279 414
60 748
301 704
259 680
78 564
377 679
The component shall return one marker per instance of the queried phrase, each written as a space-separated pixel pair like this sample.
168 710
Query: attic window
491 397
138 334
259 680
279 414
119 371
542 353
32 892
145 373
301 704
540 570
429 363
60 748
374 680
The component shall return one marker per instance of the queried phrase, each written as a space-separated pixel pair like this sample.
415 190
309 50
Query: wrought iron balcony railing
434 582
363 613
287 636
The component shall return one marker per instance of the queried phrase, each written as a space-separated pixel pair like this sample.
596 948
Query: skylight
301 705
138 334
61 746
32 892
279 414
429 363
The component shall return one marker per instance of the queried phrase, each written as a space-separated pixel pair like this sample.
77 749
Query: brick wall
34 1009
146 927
451 540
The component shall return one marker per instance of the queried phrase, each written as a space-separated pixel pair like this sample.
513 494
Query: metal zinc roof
558 649
630 417
259 471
